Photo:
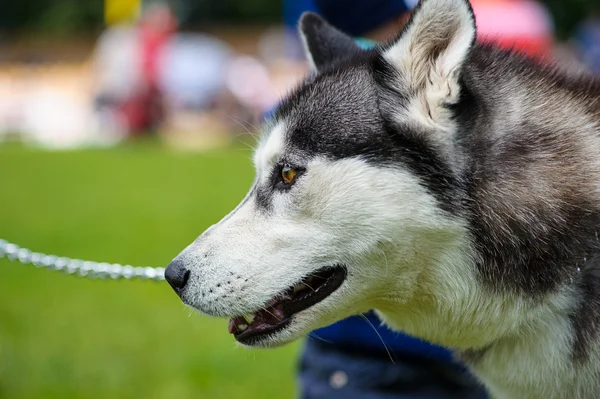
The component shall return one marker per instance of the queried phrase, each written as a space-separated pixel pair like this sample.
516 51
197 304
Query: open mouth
277 314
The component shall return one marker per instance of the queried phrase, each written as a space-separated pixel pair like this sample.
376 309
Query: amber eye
288 174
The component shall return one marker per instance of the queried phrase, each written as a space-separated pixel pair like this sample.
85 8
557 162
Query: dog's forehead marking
270 148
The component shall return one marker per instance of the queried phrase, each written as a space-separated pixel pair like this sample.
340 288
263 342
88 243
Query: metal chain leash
82 268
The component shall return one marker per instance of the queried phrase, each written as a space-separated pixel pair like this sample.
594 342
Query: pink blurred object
525 25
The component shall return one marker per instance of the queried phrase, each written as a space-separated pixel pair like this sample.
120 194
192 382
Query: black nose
177 275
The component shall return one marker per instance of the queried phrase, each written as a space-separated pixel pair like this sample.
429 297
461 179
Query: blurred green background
168 85
66 337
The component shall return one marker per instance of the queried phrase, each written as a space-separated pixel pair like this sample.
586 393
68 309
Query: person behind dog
358 357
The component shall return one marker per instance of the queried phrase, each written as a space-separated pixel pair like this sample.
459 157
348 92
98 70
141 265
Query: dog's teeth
242 327
249 318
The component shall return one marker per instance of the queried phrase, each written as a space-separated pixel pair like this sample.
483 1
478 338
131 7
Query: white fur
343 212
269 149
379 222
430 55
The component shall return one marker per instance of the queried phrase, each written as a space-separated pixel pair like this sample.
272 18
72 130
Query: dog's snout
177 275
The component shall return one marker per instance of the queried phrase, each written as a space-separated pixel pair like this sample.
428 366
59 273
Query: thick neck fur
502 337
520 297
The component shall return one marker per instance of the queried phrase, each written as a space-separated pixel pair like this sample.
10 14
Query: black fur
326 44
586 317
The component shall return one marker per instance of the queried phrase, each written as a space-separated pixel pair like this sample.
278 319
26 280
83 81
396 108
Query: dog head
352 201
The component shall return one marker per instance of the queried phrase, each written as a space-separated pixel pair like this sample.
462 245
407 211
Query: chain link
15 253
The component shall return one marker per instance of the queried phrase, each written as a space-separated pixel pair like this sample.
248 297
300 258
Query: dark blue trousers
333 371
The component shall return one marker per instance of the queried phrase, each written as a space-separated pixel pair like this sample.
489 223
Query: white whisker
380 337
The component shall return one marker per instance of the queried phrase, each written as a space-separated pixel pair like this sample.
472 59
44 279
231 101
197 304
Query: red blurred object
145 110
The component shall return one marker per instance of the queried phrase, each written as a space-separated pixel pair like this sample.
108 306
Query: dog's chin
289 315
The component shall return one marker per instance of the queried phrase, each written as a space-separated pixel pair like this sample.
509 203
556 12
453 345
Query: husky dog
452 186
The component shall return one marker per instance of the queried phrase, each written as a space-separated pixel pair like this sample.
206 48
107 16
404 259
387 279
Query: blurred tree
75 16
55 17
62 17
202 12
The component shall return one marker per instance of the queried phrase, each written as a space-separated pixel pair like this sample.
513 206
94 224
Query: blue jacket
368 334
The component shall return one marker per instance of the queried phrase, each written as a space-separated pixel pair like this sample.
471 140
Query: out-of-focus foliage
55 17
63 17
200 12
73 16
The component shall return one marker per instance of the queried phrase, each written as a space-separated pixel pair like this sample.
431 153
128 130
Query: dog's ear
323 43
432 48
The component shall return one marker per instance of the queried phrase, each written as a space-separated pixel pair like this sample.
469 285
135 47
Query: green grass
65 337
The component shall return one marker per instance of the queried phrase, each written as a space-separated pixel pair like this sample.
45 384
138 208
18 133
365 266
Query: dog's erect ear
323 43
432 49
